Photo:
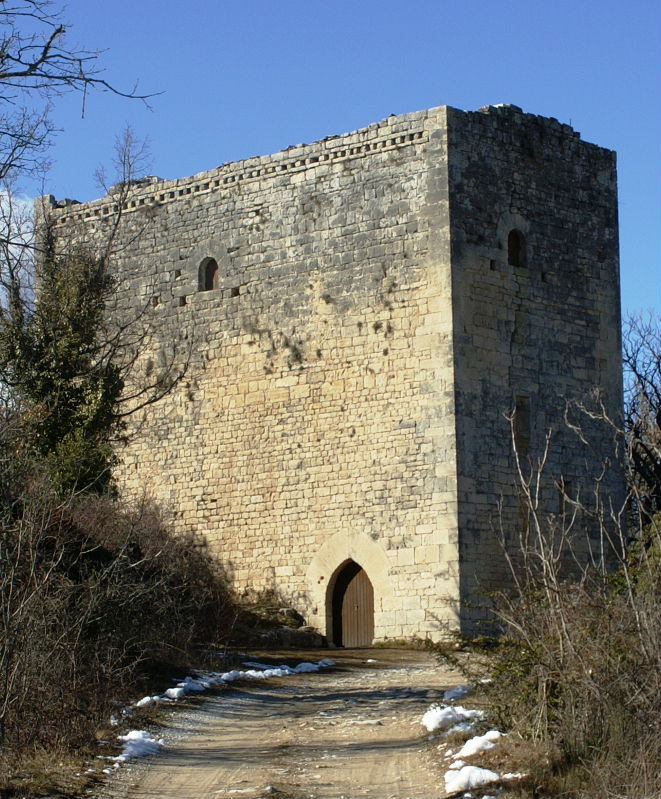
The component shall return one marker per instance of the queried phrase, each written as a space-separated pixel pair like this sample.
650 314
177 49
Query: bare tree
642 367
578 666
37 63
65 352
81 603
73 352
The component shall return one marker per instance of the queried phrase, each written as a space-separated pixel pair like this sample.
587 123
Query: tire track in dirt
350 731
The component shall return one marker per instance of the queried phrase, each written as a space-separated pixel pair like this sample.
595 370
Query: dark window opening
516 248
522 426
208 278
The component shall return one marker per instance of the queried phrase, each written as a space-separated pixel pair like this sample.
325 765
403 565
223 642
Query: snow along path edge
138 743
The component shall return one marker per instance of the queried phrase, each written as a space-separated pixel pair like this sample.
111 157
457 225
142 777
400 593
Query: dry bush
580 677
576 669
179 593
91 594
578 665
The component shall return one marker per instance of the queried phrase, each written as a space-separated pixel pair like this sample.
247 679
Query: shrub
91 593
578 665
584 676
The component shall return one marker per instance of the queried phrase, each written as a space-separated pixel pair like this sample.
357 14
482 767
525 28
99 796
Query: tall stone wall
546 330
363 295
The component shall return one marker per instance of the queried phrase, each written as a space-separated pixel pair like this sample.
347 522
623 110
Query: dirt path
351 731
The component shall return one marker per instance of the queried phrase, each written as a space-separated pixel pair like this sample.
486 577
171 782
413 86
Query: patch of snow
440 718
146 701
457 764
137 743
197 685
463 726
480 743
205 679
468 777
255 674
514 775
456 693
230 676
306 667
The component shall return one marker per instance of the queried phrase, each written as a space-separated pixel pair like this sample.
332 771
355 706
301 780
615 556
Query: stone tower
364 312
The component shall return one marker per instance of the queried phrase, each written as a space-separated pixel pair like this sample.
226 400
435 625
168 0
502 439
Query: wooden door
358 611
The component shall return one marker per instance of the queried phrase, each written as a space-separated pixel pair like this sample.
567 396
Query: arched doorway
352 607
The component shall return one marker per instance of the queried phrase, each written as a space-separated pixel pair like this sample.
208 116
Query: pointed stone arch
328 564
350 596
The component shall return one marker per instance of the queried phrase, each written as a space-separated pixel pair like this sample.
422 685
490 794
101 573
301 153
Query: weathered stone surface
352 370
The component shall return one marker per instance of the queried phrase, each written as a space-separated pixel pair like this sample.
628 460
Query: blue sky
250 78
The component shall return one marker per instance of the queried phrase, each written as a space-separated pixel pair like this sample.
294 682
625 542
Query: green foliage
57 361
91 590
